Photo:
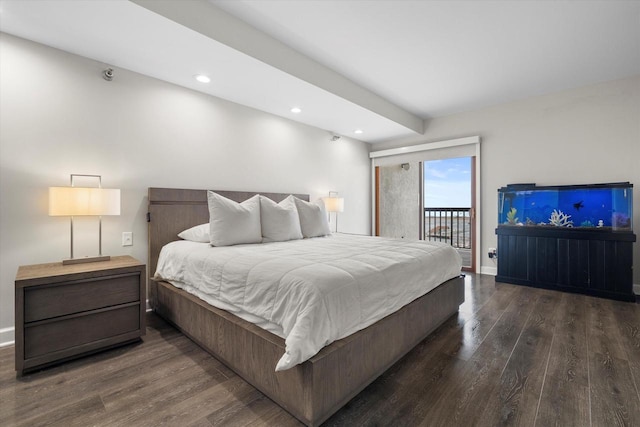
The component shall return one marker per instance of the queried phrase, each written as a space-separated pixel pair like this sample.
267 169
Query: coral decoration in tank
560 219
512 219
620 220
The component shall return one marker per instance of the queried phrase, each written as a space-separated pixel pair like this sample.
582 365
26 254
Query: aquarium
593 206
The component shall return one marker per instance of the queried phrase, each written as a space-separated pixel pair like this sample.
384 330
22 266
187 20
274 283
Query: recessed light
358 131
202 78
296 110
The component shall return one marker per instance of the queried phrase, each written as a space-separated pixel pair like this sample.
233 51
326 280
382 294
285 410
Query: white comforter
316 290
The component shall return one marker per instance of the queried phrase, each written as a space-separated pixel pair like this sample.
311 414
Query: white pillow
199 233
280 221
313 218
233 223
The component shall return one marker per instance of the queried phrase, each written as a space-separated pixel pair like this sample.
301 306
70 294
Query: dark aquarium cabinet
576 238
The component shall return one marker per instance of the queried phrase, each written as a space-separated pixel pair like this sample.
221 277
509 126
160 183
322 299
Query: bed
315 389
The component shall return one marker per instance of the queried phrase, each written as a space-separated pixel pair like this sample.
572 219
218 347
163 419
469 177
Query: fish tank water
593 206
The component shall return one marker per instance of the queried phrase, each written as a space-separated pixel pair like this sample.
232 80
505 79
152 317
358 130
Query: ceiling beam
214 23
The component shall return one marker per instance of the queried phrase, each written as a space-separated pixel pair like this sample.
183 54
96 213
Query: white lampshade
78 201
334 204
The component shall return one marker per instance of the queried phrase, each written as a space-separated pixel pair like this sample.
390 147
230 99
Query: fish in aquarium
578 205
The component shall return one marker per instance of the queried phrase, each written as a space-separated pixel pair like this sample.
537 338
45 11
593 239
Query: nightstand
63 312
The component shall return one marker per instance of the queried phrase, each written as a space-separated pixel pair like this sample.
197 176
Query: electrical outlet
127 238
493 253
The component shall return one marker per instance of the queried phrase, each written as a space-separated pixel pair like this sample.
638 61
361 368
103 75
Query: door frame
402 154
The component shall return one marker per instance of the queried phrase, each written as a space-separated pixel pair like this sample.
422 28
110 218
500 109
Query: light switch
127 238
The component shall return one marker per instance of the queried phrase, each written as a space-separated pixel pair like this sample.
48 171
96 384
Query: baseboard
636 289
7 336
491 271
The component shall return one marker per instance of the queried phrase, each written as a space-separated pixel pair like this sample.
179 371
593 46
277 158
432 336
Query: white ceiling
378 65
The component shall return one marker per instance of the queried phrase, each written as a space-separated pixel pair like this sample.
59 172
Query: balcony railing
451 225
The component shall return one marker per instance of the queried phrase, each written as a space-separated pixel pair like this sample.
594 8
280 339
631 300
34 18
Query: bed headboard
172 210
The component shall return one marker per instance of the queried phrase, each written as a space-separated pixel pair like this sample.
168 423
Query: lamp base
86 259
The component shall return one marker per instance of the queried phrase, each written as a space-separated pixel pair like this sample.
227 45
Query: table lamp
333 203
84 201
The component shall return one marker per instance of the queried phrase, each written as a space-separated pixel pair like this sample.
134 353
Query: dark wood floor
512 356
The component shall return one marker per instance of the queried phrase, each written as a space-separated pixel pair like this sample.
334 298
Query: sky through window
447 183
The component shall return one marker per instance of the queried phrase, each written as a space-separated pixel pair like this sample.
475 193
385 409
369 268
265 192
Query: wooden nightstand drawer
50 336
44 302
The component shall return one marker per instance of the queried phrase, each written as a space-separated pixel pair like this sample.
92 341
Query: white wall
58 116
579 136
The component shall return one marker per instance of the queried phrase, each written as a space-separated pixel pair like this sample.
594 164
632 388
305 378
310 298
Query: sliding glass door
430 191
448 203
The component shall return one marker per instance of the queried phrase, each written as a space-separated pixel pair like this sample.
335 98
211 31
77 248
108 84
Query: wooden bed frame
317 388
